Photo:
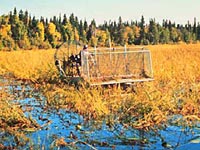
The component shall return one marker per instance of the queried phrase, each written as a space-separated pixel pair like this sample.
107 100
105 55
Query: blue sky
179 11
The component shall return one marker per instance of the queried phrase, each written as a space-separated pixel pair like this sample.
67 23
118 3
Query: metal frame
119 78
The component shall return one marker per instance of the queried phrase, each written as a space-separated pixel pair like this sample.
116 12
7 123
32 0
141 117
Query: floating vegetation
61 115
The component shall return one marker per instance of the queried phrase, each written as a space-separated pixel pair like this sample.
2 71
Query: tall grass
176 63
33 65
175 89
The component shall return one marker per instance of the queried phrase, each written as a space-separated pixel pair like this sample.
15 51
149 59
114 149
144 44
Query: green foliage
164 36
7 43
20 30
153 34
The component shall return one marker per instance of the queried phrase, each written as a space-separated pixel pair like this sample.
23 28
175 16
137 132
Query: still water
64 125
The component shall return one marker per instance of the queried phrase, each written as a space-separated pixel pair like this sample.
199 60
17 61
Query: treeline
18 30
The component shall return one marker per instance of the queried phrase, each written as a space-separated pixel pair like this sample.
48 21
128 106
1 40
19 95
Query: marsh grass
151 105
35 66
13 122
174 91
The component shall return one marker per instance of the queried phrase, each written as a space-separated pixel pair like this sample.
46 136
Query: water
58 124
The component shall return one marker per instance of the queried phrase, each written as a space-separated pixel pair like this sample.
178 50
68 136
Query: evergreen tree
114 32
142 38
22 28
60 20
11 18
21 15
186 36
174 35
81 28
69 31
85 25
25 19
164 36
15 12
195 29
76 23
64 19
82 32
122 39
63 33
72 19
169 25
153 34
198 32
92 30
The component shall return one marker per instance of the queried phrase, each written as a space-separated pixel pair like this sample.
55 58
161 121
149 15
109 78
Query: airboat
104 66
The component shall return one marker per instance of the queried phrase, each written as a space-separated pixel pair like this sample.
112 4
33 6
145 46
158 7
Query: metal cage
109 66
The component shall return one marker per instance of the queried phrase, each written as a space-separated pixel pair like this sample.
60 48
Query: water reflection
62 128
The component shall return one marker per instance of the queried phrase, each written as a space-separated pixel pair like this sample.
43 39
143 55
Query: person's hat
85 46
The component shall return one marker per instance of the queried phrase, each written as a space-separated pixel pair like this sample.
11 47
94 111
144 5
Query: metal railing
103 65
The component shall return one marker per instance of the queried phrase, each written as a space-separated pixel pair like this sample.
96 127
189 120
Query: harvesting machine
105 66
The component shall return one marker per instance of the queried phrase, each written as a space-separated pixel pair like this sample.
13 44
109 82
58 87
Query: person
85 59
76 60
85 47
84 51
86 54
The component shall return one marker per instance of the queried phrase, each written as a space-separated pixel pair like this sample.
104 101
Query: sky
178 11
